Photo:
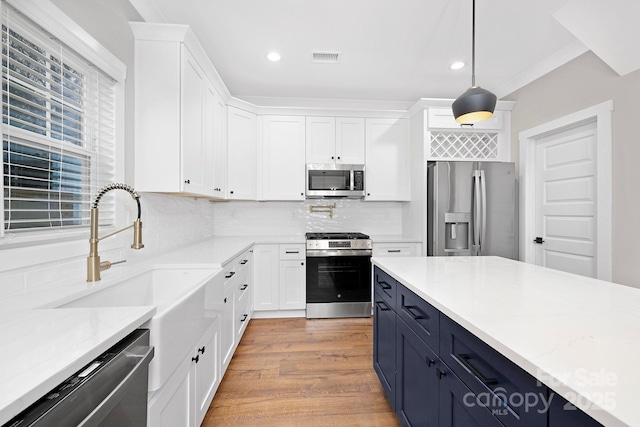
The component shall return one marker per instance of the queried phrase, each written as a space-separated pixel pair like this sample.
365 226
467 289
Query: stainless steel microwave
333 180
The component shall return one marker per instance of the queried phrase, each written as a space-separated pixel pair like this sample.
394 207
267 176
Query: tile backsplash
295 218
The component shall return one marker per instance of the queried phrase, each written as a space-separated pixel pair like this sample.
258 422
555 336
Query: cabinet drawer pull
292 252
245 286
201 350
440 373
430 362
244 317
383 306
409 308
394 251
195 359
244 261
230 275
463 359
384 285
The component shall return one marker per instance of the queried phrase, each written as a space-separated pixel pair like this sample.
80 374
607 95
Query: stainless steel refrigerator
471 209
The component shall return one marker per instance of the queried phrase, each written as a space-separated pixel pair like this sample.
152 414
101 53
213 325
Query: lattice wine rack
464 145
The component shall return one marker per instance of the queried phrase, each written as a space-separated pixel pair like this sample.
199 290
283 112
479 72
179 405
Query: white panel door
350 140
283 158
220 146
566 200
293 281
242 154
321 139
266 277
192 125
388 155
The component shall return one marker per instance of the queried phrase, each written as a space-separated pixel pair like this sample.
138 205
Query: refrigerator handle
476 213
483 232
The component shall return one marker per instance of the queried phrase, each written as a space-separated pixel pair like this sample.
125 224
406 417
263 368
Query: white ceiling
392 50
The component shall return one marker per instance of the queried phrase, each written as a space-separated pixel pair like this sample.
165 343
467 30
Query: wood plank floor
299 372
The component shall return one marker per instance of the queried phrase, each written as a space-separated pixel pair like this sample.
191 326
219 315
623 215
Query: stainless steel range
338 275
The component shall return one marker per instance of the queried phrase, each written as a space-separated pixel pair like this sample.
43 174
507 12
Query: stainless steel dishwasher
109 391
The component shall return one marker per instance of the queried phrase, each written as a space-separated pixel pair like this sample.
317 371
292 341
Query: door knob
538 240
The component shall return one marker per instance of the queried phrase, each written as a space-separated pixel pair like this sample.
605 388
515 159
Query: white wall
582 83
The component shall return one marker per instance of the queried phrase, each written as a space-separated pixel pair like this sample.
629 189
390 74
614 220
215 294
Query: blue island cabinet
384 332
436 373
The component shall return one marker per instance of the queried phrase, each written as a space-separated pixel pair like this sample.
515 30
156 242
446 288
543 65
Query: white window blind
58 130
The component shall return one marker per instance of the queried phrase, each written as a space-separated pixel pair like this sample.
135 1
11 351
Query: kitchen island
579 337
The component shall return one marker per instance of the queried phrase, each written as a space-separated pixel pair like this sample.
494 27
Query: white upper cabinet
387 173
283 157
350 140
242 154
335 140
180 133
192 128
219 163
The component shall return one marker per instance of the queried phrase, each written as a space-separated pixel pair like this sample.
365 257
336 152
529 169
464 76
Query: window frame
54 21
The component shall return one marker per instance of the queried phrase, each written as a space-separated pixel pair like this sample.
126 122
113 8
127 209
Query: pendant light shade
473 106
476 104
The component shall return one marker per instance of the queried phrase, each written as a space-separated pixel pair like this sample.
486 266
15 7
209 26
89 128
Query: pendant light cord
473 44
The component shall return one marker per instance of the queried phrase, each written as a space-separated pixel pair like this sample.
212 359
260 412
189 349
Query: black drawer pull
244 317
430 362
394 251
244 261
245 286
230 275
383 306
463 359
201 350
384 285
409 308
292 252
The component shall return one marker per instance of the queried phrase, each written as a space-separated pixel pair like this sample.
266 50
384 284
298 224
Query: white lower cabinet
183 400
206 369
396 249
228 338
292 284
279 279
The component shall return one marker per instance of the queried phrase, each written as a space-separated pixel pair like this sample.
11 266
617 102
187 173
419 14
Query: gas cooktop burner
336 236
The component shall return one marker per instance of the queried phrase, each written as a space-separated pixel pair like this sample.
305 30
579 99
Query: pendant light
476 104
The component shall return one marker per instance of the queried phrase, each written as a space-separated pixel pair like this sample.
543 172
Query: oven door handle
342 252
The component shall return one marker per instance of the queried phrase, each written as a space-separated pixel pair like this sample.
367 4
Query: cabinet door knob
302 263
430 362
338 157
201 350
332 158
195 359
440 373
187 181
245 286
244 317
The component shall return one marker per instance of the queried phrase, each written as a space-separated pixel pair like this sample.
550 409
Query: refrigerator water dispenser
456 228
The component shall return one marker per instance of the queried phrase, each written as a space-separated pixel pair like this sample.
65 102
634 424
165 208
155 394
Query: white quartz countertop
579 336
41 348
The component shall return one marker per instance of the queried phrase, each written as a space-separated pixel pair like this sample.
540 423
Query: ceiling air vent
325 57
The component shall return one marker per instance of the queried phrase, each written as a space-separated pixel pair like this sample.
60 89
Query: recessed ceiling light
457 65
274 56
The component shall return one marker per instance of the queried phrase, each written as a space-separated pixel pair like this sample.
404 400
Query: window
58 130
